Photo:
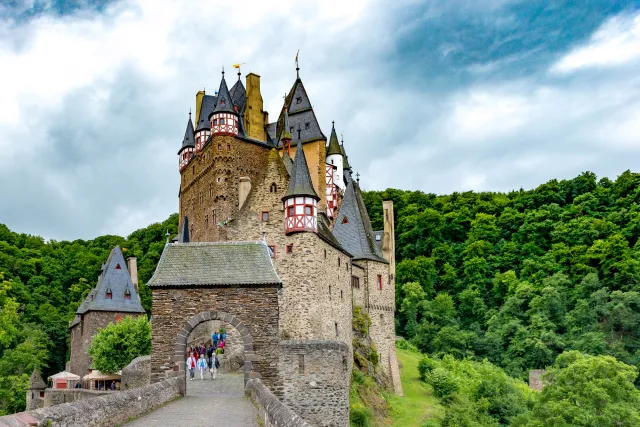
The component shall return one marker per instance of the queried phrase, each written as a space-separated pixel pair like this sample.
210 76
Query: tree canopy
116 345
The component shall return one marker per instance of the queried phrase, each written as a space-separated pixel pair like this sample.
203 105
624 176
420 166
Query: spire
184 233
225 102
334 146
300 182
36 382
285 138
206 108
188 140
345 159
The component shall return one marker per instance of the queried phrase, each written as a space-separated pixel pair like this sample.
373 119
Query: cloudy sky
432 95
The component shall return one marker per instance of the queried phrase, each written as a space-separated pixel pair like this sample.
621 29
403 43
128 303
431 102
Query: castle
244 178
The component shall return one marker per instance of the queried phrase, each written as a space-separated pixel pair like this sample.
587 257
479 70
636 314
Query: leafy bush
406 345
116 345
442 382
425 367
359 416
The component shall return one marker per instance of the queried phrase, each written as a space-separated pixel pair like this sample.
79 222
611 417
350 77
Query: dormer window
345 220
222 102
109 294
307 125
299 100
291 129
118 266
127 294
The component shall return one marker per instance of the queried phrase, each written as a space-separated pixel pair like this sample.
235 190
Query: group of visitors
205 358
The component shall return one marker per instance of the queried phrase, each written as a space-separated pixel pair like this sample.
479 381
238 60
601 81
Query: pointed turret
224 120
334 158
288 163
285 138
345 159
187 151
300 200
184 232
203 126
238 94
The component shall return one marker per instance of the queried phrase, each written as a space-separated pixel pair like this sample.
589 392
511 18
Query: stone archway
190 325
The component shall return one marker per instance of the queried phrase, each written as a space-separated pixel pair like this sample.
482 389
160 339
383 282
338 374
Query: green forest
520 280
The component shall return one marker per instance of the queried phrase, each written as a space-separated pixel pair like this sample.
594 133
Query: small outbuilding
97 380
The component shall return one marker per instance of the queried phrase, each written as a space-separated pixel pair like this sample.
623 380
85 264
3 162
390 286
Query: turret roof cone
300 182
345 159
334 145
285 130
225 102
188 140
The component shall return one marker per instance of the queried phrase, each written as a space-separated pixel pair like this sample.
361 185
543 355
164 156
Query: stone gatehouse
198 282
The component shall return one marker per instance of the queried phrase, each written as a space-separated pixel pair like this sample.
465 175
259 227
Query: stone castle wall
210 183
54 396
136 374
255 307
315 380
81 336
271 411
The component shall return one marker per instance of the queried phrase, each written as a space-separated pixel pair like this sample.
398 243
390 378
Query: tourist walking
202 365
215 364
191 365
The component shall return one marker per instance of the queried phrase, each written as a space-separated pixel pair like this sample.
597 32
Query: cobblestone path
217 403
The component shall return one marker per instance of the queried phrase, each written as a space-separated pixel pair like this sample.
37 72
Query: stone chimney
132 266
253 111
199 97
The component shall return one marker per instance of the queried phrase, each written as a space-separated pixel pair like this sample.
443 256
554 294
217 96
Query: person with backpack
191 365
214 339
202 365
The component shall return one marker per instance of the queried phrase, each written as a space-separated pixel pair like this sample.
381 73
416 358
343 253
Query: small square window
272 250
219 146
299 100
307 210
289 248
228 147
265 216
378 237
215 122
291 211
221 121
291 129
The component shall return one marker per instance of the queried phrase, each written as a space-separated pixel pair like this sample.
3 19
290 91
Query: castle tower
203 128
300 200
35 393
224 120
188 149
335 157
114 297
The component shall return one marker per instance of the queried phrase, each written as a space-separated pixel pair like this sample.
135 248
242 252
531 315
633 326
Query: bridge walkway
208 403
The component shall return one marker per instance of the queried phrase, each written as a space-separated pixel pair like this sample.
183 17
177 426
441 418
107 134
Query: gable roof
214 264
300 182
206 108
224 102
188 140
334 145
356 234
115 278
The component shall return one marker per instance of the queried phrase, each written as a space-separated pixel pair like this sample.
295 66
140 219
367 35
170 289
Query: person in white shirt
202 365
191 365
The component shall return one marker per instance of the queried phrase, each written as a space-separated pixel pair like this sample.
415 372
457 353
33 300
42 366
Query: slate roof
36 382
184 232
288 163
271 131
224 103
356 235
301 114
118 281
215 264
324 232
239 95
188 140
206 108
334 145
300 181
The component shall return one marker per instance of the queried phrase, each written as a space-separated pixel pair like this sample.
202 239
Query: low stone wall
136 374
315 380
58 396
109 410
271 412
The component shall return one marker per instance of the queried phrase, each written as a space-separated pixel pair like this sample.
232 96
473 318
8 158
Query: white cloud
616 43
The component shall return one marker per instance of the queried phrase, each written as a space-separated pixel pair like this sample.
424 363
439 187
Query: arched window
273 188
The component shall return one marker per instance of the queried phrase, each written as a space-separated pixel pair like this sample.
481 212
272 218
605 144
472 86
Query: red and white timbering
201 139
331 191
185 156
224 124
301 214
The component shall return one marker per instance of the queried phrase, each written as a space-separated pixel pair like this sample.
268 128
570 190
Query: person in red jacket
191 365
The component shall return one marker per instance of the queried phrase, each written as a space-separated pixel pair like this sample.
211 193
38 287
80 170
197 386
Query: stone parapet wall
136 374
315 380
272 412
53 396
112 409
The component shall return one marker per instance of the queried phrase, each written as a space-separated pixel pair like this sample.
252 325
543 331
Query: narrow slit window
379 281
289 248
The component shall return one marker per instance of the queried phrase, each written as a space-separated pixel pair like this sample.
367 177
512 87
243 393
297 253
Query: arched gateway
232 281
